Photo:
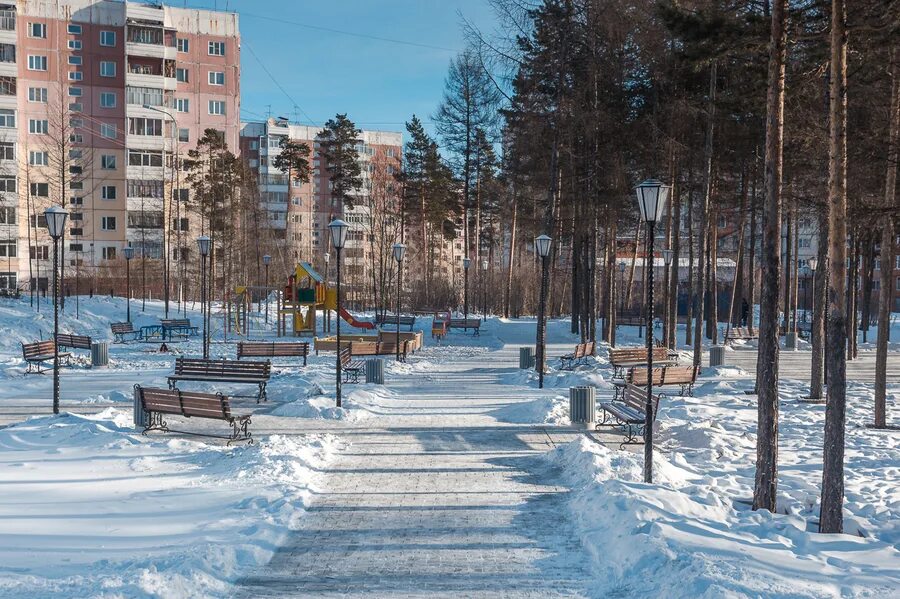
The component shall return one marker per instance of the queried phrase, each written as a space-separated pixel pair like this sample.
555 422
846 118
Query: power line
348 33
277 84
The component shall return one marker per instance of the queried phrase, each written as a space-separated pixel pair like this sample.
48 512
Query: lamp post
399 252
667 255
56 224
484 272
651 197
542 245
203 246
178 219
266 260
466 263
622 286
813 263
128 252
327 311
338 230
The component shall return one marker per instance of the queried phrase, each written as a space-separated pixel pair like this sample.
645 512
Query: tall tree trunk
887 248
512 253
831 518
700 291
629 289
820 298
751 271
853 292
673 276
866 285
689 316
712 324
737 283
766 482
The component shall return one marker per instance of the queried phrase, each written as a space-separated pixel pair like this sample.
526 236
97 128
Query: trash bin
582 406
140 416
375 371
717 355
526 358
99 353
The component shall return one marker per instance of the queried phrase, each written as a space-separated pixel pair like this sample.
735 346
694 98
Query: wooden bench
222 371
266 349
465 324
391 319
438 329
73 341
350 367
629 414
582 352
378 348
120 329
622 358
36 354
685 376
740 334
190 404
169 328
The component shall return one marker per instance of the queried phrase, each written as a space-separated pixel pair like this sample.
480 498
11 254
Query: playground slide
359 324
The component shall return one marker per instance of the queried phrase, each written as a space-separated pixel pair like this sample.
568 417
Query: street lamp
484 270
128 252
178 219
651 198
338 230
542 245
466 263
266 260
399 252
327 311
622 286
667 255
56 224
203 246
813 263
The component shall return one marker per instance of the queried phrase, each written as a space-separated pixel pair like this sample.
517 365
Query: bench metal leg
240 432
262 396
156 423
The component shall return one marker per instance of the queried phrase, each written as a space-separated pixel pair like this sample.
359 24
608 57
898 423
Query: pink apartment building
111 94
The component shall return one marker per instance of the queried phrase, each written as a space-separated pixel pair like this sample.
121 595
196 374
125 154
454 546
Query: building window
79 216
107 99
38 158
37 30
74 29
76 153
108 223
144 126
76 123
75 91
38 126
76 106
108 252
8 249
8 86
216 78
76 185
74 44
37 94
181 75
76 247
7 150
144 158
108 130
216 107
8 215
183 44
108 192
184 135
75 60
108 161
180 224
37 62
150 96
76 76
182 105
107 38
217 48
7 118
39 252
76 138
8 184
76 201
144 188
107 68
40 190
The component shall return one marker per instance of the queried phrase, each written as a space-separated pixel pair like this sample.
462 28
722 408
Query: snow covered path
439 500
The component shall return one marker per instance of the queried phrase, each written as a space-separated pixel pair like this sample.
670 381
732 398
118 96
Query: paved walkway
795 365
438 499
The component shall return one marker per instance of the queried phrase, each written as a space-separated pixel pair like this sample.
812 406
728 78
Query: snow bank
92 509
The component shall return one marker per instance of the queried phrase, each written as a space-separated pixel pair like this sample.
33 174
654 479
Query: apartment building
99 101
298 214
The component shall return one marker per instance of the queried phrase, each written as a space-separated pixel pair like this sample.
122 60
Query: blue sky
379 84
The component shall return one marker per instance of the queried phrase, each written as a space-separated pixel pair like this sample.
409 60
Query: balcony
151 41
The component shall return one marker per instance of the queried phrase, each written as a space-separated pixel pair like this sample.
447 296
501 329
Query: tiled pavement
437 500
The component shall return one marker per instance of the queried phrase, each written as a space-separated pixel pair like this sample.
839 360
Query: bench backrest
185 403
122 327
69 340
472 323
345 356
636 397
632 354
40 348
665 375
226 368
174 323
271 350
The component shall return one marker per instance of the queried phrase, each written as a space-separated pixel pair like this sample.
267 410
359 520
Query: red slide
359 324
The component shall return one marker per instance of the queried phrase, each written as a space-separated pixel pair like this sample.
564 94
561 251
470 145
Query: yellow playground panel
306 291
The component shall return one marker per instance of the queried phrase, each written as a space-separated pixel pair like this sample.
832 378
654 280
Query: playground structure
305 293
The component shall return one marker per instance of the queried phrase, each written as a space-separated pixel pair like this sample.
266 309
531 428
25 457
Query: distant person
745 312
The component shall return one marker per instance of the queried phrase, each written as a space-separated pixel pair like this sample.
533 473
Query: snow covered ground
90 508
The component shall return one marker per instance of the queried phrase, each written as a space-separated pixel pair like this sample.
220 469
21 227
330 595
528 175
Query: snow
92 508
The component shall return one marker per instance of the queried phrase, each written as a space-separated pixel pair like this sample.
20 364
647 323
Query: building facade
99 102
